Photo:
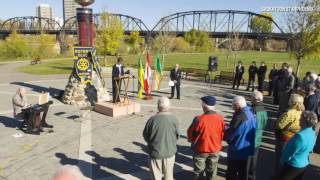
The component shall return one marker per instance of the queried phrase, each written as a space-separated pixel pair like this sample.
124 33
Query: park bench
226 76
35 60
192 72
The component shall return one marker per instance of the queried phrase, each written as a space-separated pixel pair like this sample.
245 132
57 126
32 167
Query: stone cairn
82 95
74 93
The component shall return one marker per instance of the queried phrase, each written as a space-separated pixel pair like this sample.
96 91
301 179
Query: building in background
45 11
69 9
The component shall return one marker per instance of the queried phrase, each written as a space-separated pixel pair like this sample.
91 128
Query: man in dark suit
117 71
238 75
261 75
252 75
272 77
175 76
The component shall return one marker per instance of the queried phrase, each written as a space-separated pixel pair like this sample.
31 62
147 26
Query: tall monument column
85 26
86 86
85 23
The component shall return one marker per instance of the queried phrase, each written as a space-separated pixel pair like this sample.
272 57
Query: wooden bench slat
196 73
225 75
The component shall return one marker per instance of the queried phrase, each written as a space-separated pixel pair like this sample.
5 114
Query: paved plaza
110 148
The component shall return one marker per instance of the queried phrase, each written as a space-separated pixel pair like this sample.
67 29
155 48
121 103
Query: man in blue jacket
241 139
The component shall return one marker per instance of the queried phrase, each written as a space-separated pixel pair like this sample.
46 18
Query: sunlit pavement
107 148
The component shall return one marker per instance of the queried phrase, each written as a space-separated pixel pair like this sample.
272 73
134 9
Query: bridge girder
128 23
211 21
218 24
30 23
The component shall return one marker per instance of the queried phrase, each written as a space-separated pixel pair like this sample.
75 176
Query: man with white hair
240 135
19 102
206 135
161 134
68 172
310 100
175 76
262 118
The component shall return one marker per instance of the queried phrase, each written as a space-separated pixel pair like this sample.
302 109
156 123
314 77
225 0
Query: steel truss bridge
218 24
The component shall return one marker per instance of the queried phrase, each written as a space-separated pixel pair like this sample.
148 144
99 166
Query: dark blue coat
116 72
241 135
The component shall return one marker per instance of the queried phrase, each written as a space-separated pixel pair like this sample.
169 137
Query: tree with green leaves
163 42
181 45
305 29
109 35
15 46
198 40
261 24
134 41
45 46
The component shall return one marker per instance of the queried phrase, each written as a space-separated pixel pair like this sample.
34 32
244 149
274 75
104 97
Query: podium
126 80
123 105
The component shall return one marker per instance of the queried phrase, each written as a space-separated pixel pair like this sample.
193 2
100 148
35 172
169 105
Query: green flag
158 72
140 79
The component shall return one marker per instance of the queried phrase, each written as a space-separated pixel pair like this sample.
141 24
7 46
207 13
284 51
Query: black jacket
116 72
175 75
273 73
252 71
311 103
239 71
262 71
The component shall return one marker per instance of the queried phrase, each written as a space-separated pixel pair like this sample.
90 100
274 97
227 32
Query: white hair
313 76
207 107
68 170
257 96
290 70
240 100
163 103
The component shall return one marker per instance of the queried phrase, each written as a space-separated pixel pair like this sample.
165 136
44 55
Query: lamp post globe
84 2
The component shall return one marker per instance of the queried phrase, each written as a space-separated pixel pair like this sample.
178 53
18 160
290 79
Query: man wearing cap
206 134
238 75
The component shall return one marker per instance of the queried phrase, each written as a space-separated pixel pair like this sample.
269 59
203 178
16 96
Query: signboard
83 64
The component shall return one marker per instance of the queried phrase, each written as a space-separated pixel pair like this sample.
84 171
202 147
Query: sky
150 11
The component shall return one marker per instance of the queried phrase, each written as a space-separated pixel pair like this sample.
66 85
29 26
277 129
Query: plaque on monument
83 64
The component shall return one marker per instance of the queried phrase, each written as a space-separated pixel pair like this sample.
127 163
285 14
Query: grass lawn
186 60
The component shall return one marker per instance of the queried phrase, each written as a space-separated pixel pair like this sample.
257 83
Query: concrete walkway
110 148
10 74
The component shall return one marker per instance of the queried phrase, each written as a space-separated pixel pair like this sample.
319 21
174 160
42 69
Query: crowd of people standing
296 129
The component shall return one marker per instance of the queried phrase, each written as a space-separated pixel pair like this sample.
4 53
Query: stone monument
78 92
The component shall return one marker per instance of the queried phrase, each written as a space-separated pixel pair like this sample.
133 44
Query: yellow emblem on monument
83 64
